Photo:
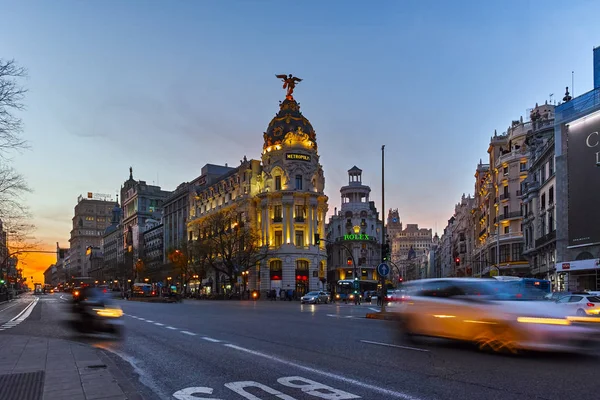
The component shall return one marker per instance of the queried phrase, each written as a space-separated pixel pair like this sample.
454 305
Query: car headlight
109 312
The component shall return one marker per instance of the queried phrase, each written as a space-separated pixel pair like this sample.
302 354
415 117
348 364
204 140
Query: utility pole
382 278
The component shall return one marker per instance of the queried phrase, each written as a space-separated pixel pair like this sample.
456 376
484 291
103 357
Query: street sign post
383 269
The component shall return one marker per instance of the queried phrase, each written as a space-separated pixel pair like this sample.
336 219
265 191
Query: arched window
302 265
584 256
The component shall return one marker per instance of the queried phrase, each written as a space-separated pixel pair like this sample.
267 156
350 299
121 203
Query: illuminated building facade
356 227
282 195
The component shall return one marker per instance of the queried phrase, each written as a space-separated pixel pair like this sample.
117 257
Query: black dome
288 119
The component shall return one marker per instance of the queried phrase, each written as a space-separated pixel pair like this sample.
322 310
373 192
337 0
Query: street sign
383 269
159 284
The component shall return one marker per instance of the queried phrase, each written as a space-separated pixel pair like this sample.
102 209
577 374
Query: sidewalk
33 368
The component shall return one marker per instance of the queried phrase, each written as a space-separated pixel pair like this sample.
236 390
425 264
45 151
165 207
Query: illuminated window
299 238
278 238
278 182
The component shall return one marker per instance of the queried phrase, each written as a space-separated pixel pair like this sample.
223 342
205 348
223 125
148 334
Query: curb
384 316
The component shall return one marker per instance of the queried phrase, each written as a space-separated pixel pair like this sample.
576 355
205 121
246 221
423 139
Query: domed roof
289 119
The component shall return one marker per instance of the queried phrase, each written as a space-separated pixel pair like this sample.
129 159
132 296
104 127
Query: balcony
504 196
277 219
519 193
511 215
545 239
299 219
483 232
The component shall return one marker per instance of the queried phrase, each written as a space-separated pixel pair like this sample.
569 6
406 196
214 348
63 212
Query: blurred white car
580 304
484 311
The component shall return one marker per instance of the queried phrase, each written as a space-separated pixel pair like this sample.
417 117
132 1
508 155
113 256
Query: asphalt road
283 350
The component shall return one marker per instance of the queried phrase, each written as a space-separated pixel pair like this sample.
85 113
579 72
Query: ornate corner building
354 231
282 196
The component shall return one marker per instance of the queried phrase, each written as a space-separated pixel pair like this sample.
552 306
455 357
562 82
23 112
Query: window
505 209
89 218
504 253
551 166
300 213
277 212
543 173
278 238
517 252
298 182
523 166
505 191
543 204
278 182
299 238
550 221
505 171
551 196
506 229
275 269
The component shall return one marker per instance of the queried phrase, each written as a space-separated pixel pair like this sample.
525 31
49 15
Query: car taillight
590 304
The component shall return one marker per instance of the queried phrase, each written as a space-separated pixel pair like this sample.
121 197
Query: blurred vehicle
345 289
315 298
580 304
95 312
76 293
492 314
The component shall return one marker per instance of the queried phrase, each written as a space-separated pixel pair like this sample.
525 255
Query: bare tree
229 244
11 97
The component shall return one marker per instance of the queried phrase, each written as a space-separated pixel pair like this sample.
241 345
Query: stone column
309 216
285 222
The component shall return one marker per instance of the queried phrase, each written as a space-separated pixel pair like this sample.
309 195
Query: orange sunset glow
34 264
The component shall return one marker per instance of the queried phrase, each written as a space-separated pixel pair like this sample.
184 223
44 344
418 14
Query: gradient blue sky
168 86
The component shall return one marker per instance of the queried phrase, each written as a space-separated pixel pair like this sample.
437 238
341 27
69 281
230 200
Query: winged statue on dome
289 83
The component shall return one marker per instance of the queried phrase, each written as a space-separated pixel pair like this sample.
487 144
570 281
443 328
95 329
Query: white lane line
375 309
22 316
171 327
386 392
141 319
159 324
188 333
395 345
11 306
149 321
209 339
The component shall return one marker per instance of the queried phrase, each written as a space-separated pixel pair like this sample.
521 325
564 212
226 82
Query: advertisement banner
584 180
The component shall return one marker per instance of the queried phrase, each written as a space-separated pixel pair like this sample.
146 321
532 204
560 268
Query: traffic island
388 316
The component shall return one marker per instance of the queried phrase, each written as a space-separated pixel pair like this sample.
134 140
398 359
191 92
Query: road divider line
11 306
149 321
171 327
188 333
395 345
209 339
159 324
28 308
388 393
142 319
374 309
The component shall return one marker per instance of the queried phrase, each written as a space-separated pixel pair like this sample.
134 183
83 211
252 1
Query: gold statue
289 83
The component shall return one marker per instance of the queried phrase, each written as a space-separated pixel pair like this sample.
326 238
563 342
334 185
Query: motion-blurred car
486 312
315 298
580 304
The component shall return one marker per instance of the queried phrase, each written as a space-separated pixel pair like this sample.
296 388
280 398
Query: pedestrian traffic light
317 239
457 261
349 261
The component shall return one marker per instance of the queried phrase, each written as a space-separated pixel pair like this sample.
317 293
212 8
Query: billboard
583 156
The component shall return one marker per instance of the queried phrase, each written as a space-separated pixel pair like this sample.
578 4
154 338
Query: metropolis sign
297 157
583 158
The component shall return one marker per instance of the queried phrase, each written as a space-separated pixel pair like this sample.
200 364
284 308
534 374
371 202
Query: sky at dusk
166 87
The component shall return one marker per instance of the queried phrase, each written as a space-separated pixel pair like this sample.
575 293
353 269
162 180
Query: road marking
11 306
395 345
386 392
374 309
211 339
25 310
141 319
159 324
151 322
188 333
171 327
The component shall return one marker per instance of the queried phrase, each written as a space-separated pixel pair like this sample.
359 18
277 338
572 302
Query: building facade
577 155
91 217
153 250
354 234
113 249
539 213
409 246
282 196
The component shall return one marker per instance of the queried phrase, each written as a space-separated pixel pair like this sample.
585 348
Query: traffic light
385 252
317 239
457 261
349 261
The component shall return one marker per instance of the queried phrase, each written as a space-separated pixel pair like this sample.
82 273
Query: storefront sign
297 157
579 265
357 236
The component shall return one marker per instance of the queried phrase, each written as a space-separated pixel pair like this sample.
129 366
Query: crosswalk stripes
22 316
